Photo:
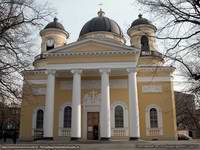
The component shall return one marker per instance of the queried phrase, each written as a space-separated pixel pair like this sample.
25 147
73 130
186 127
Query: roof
55 24
101 23
141 21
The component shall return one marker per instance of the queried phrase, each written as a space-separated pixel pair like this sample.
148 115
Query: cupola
102 27
53 35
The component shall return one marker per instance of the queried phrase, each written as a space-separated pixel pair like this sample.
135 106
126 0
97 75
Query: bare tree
179 28
19 19
186 111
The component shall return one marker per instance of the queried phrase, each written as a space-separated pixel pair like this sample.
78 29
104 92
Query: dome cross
101 13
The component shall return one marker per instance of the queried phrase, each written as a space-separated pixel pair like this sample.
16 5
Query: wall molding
39 91
111 65
96 84
91 53
151 88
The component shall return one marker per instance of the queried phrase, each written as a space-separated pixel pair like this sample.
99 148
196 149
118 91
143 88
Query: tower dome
55 24
141 21
101 24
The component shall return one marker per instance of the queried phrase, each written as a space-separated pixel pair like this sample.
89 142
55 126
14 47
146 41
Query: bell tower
142 36
53 35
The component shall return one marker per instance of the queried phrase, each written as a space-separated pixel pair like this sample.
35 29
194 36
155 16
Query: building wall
164 99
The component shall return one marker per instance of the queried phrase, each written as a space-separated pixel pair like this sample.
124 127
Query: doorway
93 125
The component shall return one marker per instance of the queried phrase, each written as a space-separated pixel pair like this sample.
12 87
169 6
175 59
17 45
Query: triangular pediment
91 45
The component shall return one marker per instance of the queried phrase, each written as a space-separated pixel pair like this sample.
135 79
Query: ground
114 145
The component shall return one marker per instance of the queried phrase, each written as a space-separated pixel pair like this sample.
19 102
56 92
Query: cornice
90 53
155 68
37 71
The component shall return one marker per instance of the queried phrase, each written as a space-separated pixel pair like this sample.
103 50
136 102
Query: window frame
67 118
153 118
39 119
119 122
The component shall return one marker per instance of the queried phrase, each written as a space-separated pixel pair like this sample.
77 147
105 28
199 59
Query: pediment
91 45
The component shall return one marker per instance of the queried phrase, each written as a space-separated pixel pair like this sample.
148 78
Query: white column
76 105
134 127
105 124
49 105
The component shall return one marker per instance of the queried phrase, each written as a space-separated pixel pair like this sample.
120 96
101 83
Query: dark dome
101 23
55 24
140 21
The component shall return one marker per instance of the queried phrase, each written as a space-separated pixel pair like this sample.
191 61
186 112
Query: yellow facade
154 84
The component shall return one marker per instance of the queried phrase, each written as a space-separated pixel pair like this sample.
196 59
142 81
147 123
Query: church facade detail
99 88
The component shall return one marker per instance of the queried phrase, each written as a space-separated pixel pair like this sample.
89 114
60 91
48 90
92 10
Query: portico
105 108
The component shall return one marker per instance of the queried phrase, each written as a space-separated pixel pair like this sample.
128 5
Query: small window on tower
145 43
50 44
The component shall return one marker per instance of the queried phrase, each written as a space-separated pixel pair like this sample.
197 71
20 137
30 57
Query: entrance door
93 125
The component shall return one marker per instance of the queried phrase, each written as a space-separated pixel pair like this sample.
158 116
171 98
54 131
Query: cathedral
98 87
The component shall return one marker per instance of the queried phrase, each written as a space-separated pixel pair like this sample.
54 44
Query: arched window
144 43
39 119
119 117
67 117
153 118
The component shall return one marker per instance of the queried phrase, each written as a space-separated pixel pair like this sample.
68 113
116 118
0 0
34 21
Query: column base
47 138
105 139
134 138
75 139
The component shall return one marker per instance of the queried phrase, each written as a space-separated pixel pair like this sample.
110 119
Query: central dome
101 23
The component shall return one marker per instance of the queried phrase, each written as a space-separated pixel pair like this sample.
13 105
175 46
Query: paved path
119 145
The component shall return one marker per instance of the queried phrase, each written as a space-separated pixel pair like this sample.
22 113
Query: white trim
154 79
61 116
90 53
125 113
160 120
151 88
39 91
37 81
111 65
142 66
155 68
34 116
42 32
34 71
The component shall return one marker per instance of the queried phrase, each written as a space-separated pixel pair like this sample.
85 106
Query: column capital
105 70
51 72
76 71
131 70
